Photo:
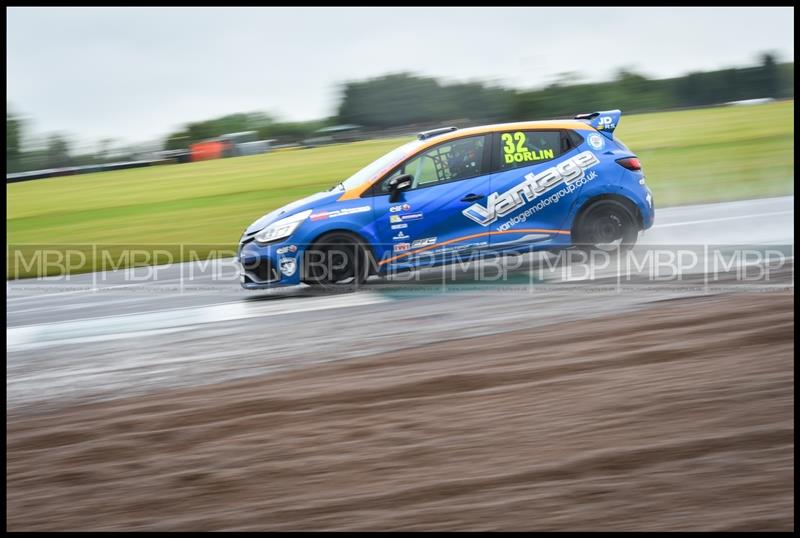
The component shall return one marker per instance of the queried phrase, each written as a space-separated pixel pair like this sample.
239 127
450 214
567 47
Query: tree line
405 99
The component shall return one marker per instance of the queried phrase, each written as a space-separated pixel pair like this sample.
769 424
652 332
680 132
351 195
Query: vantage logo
533 186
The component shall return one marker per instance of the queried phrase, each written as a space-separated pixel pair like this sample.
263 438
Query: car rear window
526 148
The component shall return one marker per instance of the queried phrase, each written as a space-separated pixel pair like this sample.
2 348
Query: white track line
736 217
92 289
143 323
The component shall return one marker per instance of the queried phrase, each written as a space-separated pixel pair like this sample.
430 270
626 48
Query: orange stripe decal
482 234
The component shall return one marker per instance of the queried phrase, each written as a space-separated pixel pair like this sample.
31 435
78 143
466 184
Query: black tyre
337 260
606 225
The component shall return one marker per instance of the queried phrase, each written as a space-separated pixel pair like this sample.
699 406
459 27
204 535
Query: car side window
524 148
451 161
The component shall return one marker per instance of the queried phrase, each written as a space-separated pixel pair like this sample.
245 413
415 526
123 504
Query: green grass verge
691 156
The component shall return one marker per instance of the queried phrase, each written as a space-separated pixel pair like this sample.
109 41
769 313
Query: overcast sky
139 73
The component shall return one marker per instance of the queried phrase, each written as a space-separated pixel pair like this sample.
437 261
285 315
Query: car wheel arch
629 204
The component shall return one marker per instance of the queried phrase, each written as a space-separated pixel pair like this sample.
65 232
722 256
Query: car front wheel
336 260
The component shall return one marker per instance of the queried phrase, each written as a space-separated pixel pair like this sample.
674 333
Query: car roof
514 126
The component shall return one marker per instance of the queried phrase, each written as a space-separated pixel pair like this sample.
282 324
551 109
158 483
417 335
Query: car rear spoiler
605 121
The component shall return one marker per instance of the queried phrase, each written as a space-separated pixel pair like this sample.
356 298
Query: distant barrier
73 170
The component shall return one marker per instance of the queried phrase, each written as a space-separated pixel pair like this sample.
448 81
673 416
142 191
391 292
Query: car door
533 187
426 223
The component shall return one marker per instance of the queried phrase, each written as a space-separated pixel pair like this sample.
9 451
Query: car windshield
382 164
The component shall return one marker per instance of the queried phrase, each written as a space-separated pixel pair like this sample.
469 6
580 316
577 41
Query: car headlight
282 228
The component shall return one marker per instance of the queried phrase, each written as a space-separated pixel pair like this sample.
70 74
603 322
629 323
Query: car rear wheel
337 260
606 225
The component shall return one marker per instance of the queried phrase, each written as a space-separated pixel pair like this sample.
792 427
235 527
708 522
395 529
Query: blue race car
541 185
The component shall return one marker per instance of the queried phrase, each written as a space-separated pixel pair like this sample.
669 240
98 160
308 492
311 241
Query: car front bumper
274 265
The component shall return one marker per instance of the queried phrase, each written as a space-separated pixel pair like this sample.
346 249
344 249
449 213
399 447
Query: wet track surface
104 335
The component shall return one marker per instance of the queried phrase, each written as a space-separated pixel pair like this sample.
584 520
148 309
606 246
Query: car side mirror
399 184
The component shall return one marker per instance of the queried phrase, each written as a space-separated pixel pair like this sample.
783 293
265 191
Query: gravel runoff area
678 416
